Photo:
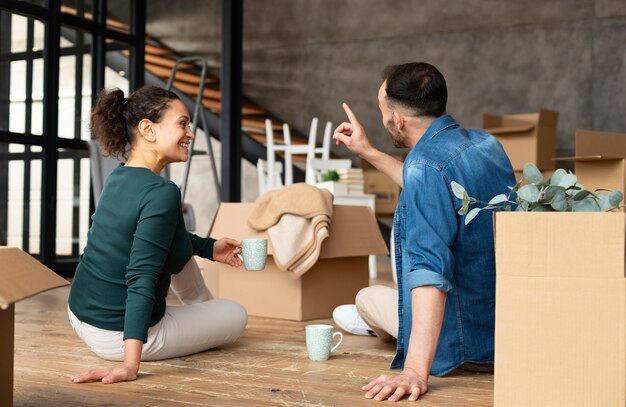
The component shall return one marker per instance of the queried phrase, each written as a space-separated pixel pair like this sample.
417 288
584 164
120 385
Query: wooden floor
268 366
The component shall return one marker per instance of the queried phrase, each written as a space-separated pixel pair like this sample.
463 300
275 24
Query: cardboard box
598 172
22 276
529 137
385 189
560 309
600 161
336 278
600 143
387 192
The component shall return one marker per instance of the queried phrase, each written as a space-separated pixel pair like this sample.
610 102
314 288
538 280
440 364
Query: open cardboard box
21 276
600 161
336 278
385 189
560 309
529 137
598 172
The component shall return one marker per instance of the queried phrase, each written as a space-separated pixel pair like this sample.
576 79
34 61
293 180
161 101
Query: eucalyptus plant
559 193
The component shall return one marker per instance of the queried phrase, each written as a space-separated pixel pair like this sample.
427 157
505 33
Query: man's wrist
415 371
371 155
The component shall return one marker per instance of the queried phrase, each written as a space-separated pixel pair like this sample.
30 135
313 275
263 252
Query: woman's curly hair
114 118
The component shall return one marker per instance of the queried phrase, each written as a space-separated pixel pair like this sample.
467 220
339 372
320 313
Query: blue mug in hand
253 254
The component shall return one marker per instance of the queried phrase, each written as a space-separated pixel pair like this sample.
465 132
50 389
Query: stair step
216 106
156 50
193 90
166 62
279 140
120 26
183 76
259 124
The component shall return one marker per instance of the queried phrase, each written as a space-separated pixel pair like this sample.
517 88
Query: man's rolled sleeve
421 278
431 229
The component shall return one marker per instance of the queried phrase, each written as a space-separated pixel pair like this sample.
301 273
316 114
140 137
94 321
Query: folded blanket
297 218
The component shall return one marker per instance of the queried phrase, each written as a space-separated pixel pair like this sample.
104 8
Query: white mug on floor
319 340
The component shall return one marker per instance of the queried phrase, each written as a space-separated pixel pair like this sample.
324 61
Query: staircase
159 61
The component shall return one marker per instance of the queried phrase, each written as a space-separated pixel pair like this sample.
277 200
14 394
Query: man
443 311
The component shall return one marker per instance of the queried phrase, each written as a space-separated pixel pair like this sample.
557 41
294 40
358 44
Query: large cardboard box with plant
560 335
528 137
336 278
21 276
560 309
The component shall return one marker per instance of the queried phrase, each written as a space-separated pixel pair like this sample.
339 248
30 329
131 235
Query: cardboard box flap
600 143
491 120
23 276
548 118
353 230
588 158
512 130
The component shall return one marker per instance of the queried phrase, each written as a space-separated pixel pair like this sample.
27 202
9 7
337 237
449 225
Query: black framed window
55 56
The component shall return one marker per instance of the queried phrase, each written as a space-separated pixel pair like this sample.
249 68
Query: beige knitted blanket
297 218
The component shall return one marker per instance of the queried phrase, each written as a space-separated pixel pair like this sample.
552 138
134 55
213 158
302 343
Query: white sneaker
348 319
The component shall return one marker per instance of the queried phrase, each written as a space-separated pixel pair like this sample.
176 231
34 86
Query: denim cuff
423 277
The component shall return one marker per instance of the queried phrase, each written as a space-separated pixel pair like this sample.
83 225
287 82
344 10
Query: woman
138 247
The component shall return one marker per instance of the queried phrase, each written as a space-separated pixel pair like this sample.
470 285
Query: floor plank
268 366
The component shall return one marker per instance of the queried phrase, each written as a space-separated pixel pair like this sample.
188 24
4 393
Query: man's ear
398 120
145 129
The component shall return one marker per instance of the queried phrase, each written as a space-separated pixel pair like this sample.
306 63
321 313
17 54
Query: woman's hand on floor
396 386
110 375
226 250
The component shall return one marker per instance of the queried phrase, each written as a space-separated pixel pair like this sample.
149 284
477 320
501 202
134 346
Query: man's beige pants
378 306
201 323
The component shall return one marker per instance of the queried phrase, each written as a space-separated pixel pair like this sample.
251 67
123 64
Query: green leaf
581 195
465 206
542 208
551 191
604 202
498 199
532 174
567 180
559 201
555 179
458 190
528 193
472 214
586 205
615 197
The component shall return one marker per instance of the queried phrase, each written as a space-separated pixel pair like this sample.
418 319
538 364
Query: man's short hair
416 86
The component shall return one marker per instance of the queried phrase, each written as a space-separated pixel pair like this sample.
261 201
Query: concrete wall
302 58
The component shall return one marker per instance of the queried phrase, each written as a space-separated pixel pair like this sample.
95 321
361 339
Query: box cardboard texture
600 160
560 309
336 278
529 137
22 276
386 190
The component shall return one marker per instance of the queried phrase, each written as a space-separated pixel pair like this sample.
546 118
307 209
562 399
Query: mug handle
240 256
340 340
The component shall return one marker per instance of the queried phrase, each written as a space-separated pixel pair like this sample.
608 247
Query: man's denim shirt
433 246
